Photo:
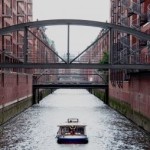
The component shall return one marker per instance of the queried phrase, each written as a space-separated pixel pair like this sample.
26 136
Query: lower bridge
52 86
70 85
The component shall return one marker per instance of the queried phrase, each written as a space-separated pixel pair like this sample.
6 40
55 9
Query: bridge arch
104 25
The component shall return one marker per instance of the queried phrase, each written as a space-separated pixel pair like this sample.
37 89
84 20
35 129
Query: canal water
36 128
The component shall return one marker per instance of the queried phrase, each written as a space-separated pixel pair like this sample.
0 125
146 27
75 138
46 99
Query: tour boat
72 132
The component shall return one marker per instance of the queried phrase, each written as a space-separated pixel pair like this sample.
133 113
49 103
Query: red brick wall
14 86
140 94
136 93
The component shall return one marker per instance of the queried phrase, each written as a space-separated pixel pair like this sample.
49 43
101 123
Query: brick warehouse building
94 54
129 90
16 84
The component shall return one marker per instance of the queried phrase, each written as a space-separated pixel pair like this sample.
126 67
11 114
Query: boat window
80 130
64 130
73 120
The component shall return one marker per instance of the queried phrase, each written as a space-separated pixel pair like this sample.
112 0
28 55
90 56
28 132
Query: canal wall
15 94
100 94
133 99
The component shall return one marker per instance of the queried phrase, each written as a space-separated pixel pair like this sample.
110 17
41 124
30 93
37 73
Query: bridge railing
41 51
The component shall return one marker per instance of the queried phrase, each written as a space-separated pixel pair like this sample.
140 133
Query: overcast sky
80 36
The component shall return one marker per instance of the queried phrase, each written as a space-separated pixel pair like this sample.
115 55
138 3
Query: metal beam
90 46
104 25
74 66
47 46
63 74
111 46
68 45
25 45
100 75
76 86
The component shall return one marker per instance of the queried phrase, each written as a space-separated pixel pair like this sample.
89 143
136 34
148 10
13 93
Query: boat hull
72 139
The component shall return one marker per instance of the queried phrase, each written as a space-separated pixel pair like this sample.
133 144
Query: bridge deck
74 66
71 85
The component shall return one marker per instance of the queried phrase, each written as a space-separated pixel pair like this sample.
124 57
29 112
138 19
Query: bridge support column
34 96
107 96
38 96
68 45
25 46
111 48
90 90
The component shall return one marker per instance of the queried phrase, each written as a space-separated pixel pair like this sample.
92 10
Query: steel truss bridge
27 28
27 62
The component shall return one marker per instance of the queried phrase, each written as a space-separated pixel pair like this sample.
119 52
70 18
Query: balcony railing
148 46
125 3
124 21
141 1
143 19
20 41
135 24
131 54
20 12
29 1
29 13
124 56
134 48
20 56
8 49
115 54
142 43
143 58
130 12
135 7
135 59
20 1
125 41
30 36
8 12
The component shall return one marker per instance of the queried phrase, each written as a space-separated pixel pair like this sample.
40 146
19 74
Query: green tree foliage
105 58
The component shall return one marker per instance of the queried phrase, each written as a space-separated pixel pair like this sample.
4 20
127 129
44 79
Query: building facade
13 12
16 84
128 89
94 54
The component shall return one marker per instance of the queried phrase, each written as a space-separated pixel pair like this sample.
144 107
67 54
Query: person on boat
72 130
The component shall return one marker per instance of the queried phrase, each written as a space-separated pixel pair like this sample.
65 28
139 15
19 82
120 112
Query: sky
80 36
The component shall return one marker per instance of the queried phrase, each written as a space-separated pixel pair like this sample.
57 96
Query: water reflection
35 129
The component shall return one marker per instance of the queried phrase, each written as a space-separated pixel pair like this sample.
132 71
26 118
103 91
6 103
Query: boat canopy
72 122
